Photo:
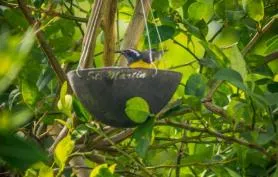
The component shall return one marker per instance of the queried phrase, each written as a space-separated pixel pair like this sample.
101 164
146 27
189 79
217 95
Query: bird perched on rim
138 59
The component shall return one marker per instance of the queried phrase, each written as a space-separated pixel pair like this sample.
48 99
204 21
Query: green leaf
195 85
46 171
227 37
102 171
81 113
166 32
9 122
202 9
137 109
65 102
219 8
143 136
232 173
29 93
272 44
63 92
254 9
193 29
231 76
271 98
160 5
62 151
177 3
236 59
13 57
275 174
19 153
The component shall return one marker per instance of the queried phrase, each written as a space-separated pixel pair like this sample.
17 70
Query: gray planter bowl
104 91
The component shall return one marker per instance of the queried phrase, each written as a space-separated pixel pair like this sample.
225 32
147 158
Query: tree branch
271 57
109 32
257 36
187 49
208 101
52 60
47 12
89 40
227 138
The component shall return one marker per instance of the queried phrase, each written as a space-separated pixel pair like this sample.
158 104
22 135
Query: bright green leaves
62 151
103 171
228 37
160 5
65 102
254 9
29 93
13 54
177 3
137 109
18 152
143 137
195 85
39 170
201 10
46 172
231 76
9 121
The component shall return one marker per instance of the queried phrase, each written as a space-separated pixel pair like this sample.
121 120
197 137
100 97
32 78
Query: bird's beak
119 51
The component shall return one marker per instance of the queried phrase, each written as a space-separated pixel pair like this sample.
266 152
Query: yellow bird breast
141 64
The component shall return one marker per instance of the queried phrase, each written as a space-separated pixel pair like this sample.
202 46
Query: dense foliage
222 120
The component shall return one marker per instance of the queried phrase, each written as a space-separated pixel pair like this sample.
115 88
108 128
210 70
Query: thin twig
257 36
183 65
185 48
194 164
208 101
43 43
47 12
100 132
227 138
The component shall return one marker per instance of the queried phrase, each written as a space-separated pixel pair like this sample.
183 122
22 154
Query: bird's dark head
130 54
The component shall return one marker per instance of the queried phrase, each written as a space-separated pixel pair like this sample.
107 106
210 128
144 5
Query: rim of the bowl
121 68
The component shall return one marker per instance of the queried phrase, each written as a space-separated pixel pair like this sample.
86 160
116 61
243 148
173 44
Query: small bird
137 59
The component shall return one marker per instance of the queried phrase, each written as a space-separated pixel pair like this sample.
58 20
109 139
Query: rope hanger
148 33
98 7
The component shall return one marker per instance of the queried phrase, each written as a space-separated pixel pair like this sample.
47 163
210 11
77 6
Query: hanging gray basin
104 91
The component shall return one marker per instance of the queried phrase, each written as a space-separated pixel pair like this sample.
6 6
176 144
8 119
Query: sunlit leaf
236 60
177 3
202 9
137 109
46 171
102 171
62 151
9 121
13 63
254 9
